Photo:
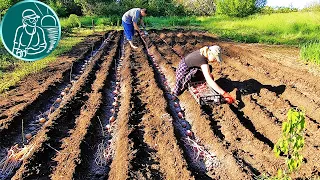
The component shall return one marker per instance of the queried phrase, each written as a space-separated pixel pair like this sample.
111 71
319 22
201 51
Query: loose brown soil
146 139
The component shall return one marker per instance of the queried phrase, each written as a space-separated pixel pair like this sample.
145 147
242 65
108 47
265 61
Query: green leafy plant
74 21
291 142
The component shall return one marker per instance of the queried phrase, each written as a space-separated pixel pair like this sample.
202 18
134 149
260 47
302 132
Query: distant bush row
236 8
157 8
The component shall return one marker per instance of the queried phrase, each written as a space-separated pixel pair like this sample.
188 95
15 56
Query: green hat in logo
33 34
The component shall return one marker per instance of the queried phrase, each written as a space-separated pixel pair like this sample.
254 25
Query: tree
164 8
4 6
199 7
240 8
89 6
313 6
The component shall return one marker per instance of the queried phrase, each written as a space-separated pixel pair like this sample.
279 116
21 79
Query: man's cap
29 14
216 50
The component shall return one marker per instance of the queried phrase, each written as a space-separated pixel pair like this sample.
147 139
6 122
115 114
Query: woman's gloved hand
228 98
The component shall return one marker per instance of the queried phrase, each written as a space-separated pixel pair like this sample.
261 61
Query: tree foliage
64 8
314 6
5 4
165 8
272 10
199 7
240 8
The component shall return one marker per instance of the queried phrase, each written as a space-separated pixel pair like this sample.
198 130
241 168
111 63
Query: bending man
130 23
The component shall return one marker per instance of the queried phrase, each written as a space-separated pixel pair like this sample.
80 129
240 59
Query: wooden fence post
93 25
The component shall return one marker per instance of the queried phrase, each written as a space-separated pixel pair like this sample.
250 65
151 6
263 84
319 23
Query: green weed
311 52
290 144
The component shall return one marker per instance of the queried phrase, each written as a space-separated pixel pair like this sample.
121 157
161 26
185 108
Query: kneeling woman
195 67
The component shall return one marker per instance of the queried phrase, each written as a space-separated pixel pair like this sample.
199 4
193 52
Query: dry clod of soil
179 49
162 35
180 35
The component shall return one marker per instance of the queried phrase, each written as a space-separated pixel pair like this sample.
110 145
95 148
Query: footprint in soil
246 87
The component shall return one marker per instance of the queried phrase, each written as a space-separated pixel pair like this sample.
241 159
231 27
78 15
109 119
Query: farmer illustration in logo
29 38
30 30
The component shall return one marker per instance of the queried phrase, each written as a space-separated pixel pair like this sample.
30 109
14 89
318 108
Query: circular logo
30 30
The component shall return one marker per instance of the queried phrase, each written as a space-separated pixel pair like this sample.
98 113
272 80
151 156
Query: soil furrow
198 166
159 129
265 99
88 168
291 94
70 148
144 164
287 75
269 123
273 130
243 143
119 168
202 128
47 141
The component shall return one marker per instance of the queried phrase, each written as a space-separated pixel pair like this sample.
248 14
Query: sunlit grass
86 22
167 22
287 28
311 52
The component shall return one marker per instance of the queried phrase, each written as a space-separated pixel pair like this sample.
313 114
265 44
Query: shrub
108 9
69 23
200 7
240 8
74 21
104 22
290 144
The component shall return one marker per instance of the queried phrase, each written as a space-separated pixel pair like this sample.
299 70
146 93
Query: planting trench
154 129
70 153
99 123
